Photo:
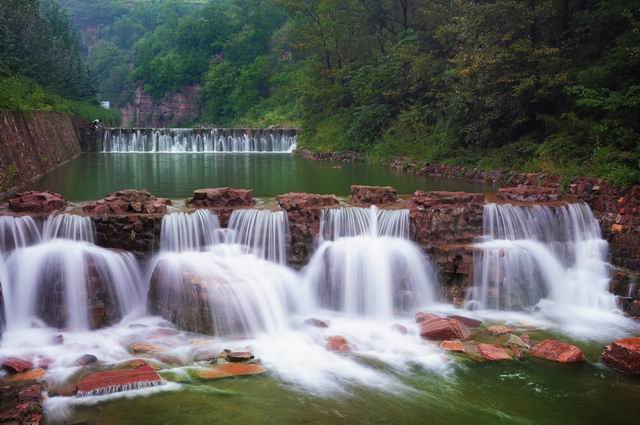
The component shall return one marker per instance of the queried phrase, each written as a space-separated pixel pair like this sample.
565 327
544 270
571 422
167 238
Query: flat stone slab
230 370
118 380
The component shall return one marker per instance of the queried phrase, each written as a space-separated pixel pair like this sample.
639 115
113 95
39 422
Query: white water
541 253
68 226
190 231
264 232
16 232
199 140
346 222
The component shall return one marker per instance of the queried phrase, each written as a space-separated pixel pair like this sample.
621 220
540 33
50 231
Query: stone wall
32 145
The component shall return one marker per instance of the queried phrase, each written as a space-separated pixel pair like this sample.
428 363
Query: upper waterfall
199 140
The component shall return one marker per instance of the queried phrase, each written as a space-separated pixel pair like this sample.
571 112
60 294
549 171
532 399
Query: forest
536 85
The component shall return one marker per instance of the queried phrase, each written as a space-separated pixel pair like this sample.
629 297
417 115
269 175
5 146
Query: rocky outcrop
127 202
222 201
373 195
37 202
172 110
443 329
623 355
557 351
21 404
32 145
303 213
330 156
529 194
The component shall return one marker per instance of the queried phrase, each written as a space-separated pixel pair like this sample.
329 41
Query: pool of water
93 175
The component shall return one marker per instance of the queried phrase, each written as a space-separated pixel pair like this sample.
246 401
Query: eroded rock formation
373 195
37 202
222 201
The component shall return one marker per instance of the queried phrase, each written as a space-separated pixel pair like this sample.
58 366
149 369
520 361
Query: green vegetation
41 65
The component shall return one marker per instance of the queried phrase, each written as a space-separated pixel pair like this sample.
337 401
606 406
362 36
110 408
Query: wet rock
22 404
402 330
85 360
136 233
230 370
493 353
118 380
373 195
525 193
557 351
421 317
239 356
37 202
623 355
443 329
16 365
467 321
453 346
338 344
57 340
497 330
222 201
31 375
127 202
144 348
317 323
516 345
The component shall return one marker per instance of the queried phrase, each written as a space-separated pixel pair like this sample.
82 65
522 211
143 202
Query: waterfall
17 232
347 222
190 231
199 140
60 281
68 226
541 252
238 293
264 232
366 266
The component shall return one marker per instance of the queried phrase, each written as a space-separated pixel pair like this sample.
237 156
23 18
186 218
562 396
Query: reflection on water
91 176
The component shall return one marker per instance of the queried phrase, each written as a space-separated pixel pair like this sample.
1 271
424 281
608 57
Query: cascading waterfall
199 140
17 232
367 266
264 232
190 231
540 252
68 226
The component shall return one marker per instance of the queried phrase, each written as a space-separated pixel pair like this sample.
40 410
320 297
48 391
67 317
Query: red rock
421 317
443 328
525 193
221 197
37 202
143 348
557 351
127 202
118 380
238 357
467 321
497 330
455 346
31 375
16 365
338 344
373 195
317 323
230 370
623 355
493 353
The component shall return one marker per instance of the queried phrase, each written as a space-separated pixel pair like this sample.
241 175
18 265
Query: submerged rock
623 355
443 329
37 202
317 323
421 317
230 370
118 380
338 344
85 360
497 330
493 353
402 330
31 375
454 346
557 351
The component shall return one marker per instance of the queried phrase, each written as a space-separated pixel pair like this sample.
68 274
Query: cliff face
31 146
172 110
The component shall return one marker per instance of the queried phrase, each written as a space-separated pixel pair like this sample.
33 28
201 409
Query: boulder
127 202
373 195
623 355
421 317
467 321
338 344
230 370
497 330
16 365
239 356
557 351
443 329
524 193
454 346
492 352
37 202
118 380
144 348
316 323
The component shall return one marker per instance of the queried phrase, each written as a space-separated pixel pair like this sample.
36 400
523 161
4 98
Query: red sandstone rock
373 195
317 323
221 197
557 351
300 201
31 375
529 194
443 328
493 353
497 330
16 365
421 317
238 356
467 321
454 346
118 380
338 344
37 202
22 404
230 370
127 202
623 355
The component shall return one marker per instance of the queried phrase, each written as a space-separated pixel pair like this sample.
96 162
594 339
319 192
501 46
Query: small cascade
347 222
68 226
17 232
540 252
65 281
199 140
190 231
224 291
264 232
366 266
